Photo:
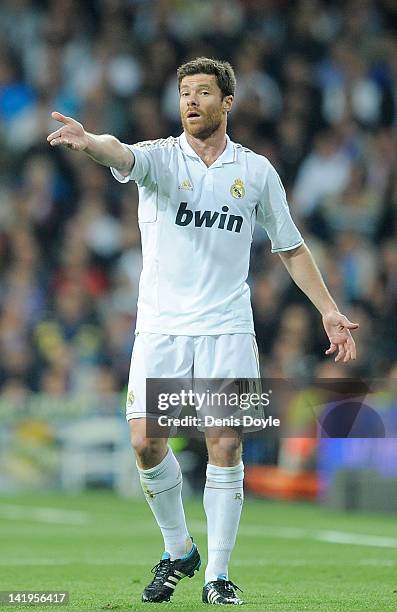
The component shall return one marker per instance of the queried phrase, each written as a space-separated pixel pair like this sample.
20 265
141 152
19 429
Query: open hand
71 134
338 329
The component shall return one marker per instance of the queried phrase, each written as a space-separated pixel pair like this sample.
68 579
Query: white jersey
196 224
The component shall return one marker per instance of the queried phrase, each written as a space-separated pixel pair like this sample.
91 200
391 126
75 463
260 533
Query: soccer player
199 198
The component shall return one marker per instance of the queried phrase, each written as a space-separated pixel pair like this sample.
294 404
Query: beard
204 128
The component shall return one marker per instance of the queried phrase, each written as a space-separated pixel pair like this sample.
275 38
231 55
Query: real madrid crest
130 398
237 189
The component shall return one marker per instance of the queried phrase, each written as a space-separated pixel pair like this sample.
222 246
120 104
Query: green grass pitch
288 556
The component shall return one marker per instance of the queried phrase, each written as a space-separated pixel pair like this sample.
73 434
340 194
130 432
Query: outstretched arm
303 270
104 149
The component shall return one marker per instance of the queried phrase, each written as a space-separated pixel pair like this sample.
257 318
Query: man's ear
227 103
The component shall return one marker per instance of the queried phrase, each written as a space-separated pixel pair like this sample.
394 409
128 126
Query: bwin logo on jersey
209 218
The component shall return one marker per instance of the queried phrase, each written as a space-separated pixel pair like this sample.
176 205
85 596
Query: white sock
223 501
162 486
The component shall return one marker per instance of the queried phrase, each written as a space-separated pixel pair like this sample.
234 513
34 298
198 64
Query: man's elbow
127 163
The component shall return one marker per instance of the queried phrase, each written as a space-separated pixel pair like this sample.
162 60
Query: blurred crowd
316 93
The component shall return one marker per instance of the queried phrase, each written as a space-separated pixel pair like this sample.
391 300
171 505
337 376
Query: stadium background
317 94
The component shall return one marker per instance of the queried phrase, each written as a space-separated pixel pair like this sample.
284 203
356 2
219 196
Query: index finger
53 135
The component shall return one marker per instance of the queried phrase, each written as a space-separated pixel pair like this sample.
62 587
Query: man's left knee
224 450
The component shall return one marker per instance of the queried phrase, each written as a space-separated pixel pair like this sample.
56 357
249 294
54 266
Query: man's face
203 109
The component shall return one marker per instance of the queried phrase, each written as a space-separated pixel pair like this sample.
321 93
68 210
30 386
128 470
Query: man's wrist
90 144
329 309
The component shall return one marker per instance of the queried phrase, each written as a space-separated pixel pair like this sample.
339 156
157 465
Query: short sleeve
143 170
274 216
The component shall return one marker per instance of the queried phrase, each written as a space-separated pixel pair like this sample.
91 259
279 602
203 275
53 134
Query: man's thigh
232 360
226 356
156 356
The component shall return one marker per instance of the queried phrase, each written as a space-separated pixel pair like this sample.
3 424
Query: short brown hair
223 72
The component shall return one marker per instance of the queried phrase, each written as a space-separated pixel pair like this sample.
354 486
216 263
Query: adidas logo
186 185
209 218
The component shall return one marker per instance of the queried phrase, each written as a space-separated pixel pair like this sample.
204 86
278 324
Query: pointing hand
71 135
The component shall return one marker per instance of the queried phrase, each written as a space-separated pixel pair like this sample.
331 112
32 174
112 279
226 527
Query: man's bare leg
149 451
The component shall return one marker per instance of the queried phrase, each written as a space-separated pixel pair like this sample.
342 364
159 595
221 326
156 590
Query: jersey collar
228 156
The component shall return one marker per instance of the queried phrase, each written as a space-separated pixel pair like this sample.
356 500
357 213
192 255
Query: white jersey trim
289 248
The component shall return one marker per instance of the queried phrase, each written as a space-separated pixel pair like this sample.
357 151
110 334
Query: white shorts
161 356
